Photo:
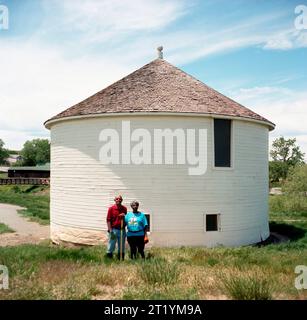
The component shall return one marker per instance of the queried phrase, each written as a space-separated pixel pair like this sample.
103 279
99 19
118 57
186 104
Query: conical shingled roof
159 87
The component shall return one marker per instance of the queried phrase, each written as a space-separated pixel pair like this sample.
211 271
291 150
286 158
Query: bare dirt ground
25 231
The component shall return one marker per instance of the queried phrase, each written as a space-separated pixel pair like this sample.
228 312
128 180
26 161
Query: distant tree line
34 152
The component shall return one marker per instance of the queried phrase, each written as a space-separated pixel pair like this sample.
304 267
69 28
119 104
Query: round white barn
196 161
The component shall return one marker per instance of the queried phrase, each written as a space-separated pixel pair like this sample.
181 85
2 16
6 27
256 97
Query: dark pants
136 244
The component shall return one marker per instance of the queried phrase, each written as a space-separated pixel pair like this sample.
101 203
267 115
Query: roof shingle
159 87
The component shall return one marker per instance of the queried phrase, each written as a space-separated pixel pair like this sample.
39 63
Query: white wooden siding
82 188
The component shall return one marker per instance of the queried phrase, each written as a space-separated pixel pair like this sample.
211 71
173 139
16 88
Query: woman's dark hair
134 203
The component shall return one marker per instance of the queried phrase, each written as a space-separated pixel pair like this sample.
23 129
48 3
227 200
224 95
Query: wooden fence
20 181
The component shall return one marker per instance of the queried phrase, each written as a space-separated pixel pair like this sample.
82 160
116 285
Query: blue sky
56 53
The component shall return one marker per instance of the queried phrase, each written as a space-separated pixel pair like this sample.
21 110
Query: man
115 220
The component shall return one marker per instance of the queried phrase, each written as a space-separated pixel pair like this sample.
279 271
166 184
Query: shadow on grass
30 189
281 232
292 232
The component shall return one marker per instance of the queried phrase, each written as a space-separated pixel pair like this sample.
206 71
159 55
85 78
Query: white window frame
219 229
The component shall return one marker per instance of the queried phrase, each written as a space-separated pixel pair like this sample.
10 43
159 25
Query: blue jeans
112 242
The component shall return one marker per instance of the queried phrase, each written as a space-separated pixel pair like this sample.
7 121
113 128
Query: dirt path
25 230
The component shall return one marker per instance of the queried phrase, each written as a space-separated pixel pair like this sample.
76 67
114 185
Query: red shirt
113 217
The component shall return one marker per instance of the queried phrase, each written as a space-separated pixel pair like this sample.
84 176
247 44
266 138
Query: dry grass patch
55 272
112 282
204 280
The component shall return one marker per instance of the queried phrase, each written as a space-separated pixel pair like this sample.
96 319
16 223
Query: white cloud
187 45
286 108
287 40
129 30
14 140
39 83
121 15
280 43
103 20
41 80
258 94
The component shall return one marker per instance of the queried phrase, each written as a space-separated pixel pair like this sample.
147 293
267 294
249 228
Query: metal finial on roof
160 52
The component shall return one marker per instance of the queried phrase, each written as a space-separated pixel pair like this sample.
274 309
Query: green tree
4 153
35 152
286 150
278 170
297 180
286 154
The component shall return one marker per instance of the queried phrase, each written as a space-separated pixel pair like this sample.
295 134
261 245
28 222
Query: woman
137 228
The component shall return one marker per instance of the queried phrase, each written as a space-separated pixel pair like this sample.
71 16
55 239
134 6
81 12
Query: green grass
46 271
159 271
288 205
5 229
247 286
157 293
35 200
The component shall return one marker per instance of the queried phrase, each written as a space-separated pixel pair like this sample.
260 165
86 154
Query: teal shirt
136 223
